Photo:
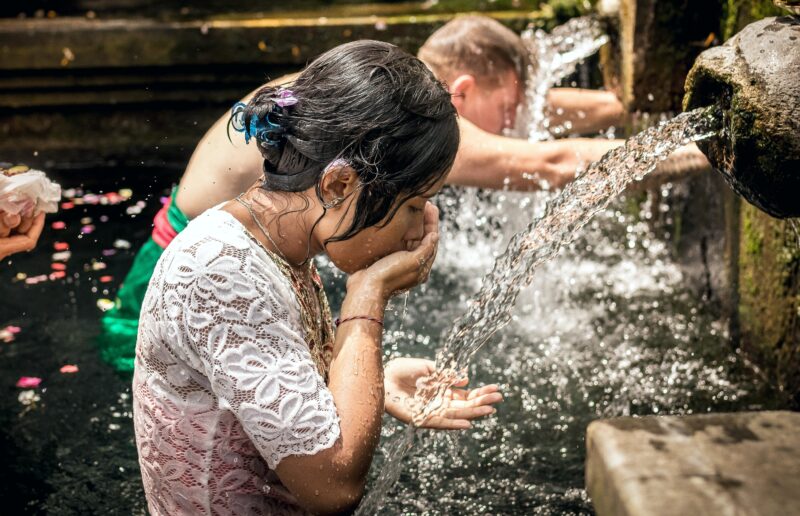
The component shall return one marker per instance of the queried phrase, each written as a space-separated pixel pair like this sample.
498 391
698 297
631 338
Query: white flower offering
25 190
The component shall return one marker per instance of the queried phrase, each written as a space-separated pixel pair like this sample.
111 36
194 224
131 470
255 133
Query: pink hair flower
286 98
28 382
68 368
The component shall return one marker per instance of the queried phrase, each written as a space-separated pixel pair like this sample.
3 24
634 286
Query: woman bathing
245 401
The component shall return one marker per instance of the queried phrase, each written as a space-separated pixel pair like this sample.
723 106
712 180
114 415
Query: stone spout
755 76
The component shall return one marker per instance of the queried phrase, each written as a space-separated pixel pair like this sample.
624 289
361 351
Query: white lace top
224 385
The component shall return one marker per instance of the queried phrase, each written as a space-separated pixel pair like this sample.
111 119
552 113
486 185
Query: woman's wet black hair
371 104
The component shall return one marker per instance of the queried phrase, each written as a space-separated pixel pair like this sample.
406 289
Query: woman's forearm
355 379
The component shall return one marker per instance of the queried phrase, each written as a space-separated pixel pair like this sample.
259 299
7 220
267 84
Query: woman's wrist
362 304
365 298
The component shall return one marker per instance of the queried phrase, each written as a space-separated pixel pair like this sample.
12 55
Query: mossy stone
755 76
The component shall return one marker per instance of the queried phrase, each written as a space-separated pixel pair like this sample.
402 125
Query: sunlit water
608 329
555 56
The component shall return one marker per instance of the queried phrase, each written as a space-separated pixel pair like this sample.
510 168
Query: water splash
564 216
555 55
514 269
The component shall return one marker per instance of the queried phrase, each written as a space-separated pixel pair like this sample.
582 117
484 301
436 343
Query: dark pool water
611 328
72 452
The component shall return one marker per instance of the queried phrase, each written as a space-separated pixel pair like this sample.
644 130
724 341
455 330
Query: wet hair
370 104
479 46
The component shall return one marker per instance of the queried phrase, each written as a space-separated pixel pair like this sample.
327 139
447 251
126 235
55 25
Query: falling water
555 56
514 269
474 217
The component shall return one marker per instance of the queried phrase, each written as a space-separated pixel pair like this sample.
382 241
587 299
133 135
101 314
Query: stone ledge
79 43
80 62
716 464
73 89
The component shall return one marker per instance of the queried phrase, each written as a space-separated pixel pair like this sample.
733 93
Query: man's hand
460 405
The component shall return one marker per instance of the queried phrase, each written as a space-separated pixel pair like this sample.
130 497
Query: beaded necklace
315 313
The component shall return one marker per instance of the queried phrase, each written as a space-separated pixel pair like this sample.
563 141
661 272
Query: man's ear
460 88
337 182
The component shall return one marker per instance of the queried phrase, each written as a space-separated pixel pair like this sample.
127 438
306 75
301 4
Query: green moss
752 240
769 290
559 11
768 256
739 13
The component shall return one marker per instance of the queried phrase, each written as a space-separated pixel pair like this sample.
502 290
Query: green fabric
120 325
175 216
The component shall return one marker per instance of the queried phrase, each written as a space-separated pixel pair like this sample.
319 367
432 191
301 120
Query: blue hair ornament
263 129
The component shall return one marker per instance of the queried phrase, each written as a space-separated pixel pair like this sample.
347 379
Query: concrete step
735 464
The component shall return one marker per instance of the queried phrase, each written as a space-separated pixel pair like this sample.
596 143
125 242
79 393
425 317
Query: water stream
564 216
556 55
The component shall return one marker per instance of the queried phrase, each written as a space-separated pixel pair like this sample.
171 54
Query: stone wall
105 87
742 259
768 263
654 45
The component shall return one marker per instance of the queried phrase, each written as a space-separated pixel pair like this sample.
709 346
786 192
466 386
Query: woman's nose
416 231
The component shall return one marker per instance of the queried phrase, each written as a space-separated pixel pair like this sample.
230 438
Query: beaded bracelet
365 317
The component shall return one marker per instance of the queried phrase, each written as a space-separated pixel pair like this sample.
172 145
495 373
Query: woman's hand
460 405
8 222
24 233
403 270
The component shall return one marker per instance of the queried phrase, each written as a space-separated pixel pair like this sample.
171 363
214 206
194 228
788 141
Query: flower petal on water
28 382
105 304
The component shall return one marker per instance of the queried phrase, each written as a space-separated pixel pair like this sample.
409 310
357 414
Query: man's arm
585 111
486 160
489 161
684 162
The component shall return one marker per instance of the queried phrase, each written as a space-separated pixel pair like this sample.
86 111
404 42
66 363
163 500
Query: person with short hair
488 67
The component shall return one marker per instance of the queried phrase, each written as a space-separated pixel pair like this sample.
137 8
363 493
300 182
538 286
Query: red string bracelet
365 317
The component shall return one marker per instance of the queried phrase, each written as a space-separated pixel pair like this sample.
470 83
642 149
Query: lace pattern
225 385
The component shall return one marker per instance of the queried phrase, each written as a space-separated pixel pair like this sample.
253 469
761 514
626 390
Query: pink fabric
163 232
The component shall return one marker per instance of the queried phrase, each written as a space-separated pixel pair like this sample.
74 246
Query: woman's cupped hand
459 407
403 270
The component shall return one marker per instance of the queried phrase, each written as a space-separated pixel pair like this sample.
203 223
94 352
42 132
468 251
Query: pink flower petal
69 368
28 382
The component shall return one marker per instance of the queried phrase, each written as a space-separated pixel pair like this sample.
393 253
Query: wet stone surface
755 76
743 463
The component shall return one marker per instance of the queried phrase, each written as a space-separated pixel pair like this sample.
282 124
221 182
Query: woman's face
402 232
